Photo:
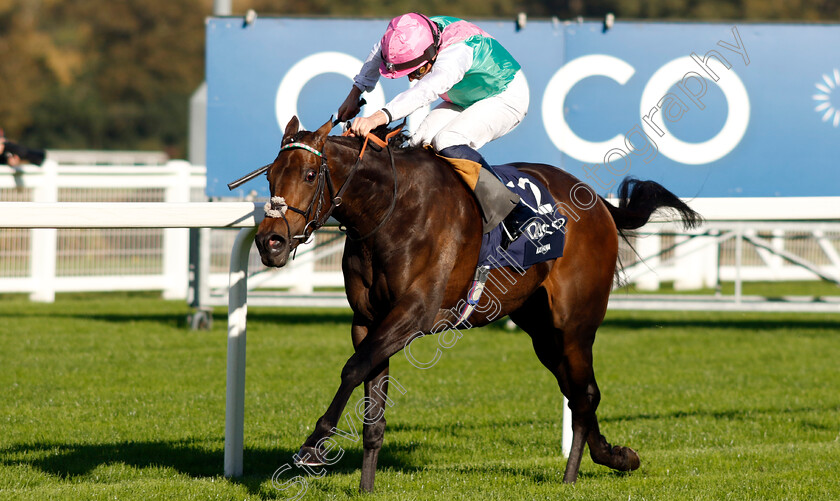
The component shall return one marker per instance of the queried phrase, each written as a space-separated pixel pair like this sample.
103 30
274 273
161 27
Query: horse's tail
638 200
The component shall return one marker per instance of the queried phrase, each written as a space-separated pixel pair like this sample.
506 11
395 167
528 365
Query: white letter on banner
737 118
285 104
553 107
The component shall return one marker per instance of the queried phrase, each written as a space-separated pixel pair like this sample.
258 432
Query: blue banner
708 110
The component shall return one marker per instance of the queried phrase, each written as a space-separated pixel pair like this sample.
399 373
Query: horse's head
298 180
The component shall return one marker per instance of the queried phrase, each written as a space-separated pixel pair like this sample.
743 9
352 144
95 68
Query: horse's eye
310 175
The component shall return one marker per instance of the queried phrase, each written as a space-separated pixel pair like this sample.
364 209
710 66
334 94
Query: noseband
315 214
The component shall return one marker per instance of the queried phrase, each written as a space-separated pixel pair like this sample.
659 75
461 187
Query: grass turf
112 397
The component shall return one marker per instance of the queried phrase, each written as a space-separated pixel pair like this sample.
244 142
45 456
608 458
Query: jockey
484 94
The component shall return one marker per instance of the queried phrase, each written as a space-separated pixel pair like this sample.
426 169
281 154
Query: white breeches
491 118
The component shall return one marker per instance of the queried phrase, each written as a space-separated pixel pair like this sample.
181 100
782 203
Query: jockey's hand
363 125
350 107
13 160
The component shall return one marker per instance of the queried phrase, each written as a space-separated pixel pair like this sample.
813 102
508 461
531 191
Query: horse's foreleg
407 318
355 371
376 395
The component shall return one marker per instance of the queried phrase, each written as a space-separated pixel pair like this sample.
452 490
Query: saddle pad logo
543 236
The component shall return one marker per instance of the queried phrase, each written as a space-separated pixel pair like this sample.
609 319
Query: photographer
14 154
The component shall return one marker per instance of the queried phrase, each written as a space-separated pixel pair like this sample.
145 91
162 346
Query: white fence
743 240
750 239
42 262
756 239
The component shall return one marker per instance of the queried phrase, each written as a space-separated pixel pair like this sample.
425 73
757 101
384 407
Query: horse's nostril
275 241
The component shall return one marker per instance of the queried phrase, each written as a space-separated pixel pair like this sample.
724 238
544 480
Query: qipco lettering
692 74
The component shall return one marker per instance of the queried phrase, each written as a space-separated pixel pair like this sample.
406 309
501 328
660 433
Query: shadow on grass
173 320
194 459
179 319
706 321
75 461
297 316
726 415
700 320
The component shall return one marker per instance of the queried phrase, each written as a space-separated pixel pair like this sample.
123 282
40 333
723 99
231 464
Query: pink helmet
410 41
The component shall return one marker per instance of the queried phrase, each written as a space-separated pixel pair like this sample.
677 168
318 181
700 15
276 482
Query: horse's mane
399 143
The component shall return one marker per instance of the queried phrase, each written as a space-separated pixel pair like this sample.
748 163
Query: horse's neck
422 181
369 186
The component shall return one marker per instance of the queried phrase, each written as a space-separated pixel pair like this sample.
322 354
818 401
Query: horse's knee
355 371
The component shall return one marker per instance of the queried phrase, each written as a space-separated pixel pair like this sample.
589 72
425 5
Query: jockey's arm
368 76
450 67
365 81
350 107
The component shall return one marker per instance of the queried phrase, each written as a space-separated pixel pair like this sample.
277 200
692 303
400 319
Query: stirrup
514 224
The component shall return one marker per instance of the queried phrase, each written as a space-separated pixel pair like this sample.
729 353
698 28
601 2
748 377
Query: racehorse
414 232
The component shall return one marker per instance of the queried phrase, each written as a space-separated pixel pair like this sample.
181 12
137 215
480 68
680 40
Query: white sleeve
449 69
369 74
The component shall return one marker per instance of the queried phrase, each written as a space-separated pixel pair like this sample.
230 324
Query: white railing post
44 241
176 241
695 258
776 262
237 317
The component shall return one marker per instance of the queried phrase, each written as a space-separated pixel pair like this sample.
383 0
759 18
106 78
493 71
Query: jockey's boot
495 200
514 224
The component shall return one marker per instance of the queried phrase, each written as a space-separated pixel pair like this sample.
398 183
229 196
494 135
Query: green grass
818 288
111 397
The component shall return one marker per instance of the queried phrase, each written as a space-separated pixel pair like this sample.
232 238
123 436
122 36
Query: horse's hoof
629 459
308 456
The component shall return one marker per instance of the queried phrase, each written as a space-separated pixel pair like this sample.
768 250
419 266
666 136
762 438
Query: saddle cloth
543 237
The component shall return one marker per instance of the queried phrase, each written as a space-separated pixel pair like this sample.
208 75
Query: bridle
316 215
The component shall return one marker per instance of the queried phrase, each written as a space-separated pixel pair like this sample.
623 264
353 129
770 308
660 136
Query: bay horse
414 232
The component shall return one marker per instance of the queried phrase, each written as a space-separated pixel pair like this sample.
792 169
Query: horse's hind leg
584 397
549 350
568 355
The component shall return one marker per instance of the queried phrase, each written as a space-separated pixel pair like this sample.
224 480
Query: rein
277 206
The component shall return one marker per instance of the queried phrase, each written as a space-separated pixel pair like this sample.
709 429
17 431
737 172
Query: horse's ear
291 128
322 133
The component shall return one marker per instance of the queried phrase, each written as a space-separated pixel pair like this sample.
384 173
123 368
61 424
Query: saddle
543 236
